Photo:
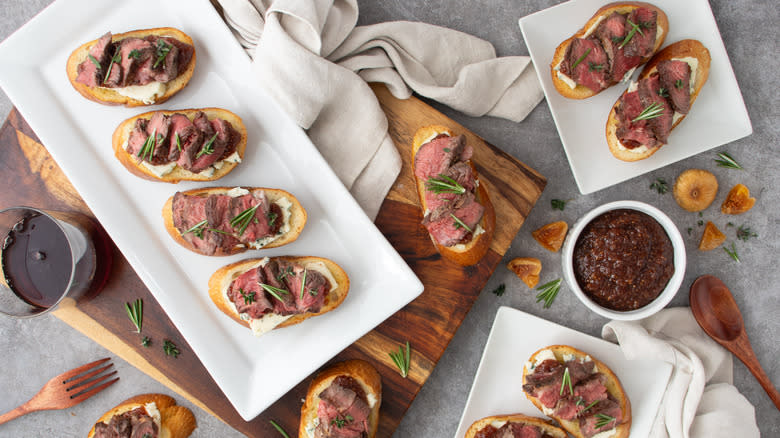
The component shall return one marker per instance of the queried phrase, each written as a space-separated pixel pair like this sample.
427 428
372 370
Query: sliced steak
277 293
599 415
676 80
612 32
633 134
189 211
138 137
643 40
253 209
181 129
226 137
90 74
446 230
217 209
649 94
113 69
245 292
207 154
144 427
436 156
134 53
159 126
314 292
587 64
524 431
343 410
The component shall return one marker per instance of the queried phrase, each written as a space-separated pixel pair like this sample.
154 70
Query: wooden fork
68 389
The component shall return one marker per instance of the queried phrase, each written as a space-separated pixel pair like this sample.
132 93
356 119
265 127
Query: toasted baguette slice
471 252
613 385
360 370
131 162
581 91
499 420
221 279
175 421
678 50
297 218
107 96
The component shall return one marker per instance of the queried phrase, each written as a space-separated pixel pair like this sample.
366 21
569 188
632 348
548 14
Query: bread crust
360 370
681 49
472 251
581 91
221 279
298 218
545 425
122 134
613 385
177 420
107 96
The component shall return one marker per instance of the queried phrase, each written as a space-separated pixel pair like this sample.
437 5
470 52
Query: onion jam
623 259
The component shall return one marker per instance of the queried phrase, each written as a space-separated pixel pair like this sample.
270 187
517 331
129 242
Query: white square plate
717 117
252 372
515 336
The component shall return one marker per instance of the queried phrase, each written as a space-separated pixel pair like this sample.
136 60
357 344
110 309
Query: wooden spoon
717 313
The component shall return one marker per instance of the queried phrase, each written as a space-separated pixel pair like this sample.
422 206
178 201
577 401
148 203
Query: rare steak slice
587 64
676 80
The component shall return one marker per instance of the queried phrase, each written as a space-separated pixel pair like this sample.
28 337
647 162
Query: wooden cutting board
428 323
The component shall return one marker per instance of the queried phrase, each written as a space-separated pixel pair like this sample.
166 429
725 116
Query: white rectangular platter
717 117
515 336
252 372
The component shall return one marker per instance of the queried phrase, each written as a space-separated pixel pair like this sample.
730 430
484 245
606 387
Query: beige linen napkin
700 400
313 60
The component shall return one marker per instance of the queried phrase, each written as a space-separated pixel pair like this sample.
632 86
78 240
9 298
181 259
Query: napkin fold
700 400
313 60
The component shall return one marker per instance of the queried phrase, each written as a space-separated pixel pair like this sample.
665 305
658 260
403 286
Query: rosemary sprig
249 298
303 282
145 341
733 252
580 59
135 312
178 142
548 292
603 420
147 150
117 57
499 291
198 228
678 84
558 204
660 185
727 161
566 382
401 359
279 429
275 291
161 51
459 223
207 148
590 406
242 220
95 61
634 29
652 111
744 233
170 348
444 184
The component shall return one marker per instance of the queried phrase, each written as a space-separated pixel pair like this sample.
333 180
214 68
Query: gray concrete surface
749 30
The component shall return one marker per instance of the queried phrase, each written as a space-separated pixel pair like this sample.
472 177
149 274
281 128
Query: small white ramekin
671 287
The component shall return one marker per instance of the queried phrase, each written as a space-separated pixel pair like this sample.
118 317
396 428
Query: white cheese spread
146 93
498 424
593 27
434 135
606 433
311 427
163 169
285 206
371 400
266 323
235 192
159 170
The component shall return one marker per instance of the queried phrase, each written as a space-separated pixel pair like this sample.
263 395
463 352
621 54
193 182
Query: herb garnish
178 142
499 291
135 312
271 216
135 54
249 298
284 273
596 67
275 291
548 292
727 161
340 422
303 282
603 420
558 204
652 111
279 428
459 223
147 150
660 185
401 359
447 150
116 58
663 92
95 61
145 341
170 348
744 233
590 406
566 381
197 229
207 148
733 253
241 221
678 83
161 51
634 29
689 230
444 184
580 59
700 223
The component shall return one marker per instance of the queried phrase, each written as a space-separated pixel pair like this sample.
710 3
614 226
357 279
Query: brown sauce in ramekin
623 259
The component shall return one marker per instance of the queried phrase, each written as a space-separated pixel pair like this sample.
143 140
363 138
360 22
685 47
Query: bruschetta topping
136 422
511 429
343 410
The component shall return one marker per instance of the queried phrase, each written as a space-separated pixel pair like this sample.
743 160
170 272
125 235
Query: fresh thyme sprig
733 252
340 422
499 291
603 420
161 51
249 298
170 348
634 29
595 67
402 359
275 291
558 204
146 341
459 223
566 382
652 111
207 148
198 228
284 273
135 312
580 59
548 292
727 161
114 59
279 429
744 233
135 54
271 216
303 282
660 185
444 184
241 221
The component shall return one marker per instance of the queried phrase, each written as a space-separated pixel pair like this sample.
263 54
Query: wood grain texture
428 323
